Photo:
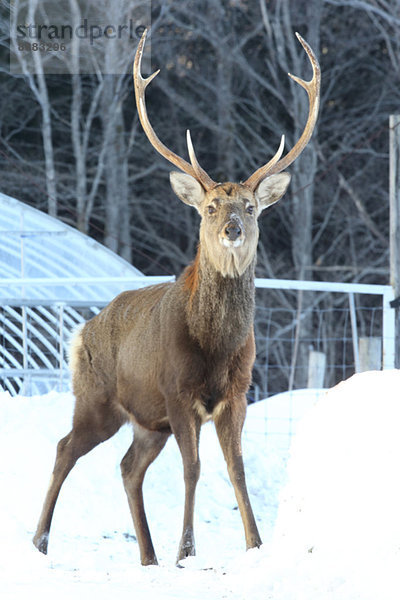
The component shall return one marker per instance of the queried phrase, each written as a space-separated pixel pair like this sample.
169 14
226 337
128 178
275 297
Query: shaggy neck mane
220 310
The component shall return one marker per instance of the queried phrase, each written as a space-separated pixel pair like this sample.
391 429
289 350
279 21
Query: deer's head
229 211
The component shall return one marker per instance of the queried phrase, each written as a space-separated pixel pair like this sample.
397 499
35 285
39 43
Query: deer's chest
221 379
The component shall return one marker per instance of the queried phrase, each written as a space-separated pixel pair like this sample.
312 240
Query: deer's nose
233 231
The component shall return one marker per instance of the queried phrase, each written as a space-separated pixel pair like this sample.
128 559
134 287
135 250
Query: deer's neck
219 310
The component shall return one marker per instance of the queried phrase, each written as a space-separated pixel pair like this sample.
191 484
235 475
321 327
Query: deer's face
229 213
229 231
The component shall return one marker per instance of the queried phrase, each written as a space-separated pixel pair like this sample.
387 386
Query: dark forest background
71 144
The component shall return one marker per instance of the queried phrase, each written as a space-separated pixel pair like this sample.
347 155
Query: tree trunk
117 211
394 192
304 171
79 154
225 146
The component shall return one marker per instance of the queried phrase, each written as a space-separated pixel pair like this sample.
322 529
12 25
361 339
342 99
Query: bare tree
38 84
224 76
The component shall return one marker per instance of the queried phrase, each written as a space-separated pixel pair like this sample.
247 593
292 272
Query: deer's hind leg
145 448
91 426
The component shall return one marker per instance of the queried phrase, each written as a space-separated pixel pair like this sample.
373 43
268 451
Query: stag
169 357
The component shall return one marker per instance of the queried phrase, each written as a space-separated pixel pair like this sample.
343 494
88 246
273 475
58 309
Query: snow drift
336 534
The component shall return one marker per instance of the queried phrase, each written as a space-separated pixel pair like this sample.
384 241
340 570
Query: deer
169 357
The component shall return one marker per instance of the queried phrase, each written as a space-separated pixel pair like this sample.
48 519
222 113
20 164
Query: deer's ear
187 188
271 189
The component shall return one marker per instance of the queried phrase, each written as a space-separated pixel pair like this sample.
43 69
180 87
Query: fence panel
301 321
294 321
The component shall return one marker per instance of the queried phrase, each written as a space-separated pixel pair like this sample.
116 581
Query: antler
312 88
194 169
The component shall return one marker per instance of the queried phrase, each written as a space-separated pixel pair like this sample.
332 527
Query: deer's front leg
229 425
186 428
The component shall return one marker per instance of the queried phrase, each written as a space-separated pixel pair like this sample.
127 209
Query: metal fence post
388 330
353 319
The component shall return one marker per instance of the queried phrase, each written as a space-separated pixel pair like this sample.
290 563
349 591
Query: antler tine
312 88
201 174
268 166
140 84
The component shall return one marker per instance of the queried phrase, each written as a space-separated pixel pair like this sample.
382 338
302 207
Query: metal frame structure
39 330
388 314
52 278
47 269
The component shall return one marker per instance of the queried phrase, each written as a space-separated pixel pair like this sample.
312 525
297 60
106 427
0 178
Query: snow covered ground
335 535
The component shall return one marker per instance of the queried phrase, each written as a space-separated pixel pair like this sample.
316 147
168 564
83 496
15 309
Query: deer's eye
211 209
250 210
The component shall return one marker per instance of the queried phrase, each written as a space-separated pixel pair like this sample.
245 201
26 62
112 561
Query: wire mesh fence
305 337
291 339
34 342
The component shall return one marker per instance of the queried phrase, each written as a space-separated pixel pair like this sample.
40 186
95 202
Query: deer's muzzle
232 233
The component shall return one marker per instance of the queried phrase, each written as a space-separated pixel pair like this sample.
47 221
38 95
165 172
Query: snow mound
338 525
337 531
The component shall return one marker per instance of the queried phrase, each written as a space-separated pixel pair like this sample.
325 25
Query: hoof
187 546
41 542
149 561
185 552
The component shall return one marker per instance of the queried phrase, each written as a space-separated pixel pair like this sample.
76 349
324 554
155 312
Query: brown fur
167 358
191 277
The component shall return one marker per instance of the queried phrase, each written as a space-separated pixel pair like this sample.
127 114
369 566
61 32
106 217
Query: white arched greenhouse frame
52 278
